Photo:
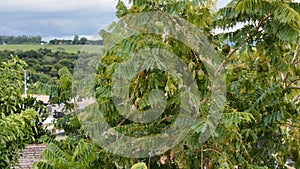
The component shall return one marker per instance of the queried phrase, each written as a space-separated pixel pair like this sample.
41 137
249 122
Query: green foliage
62 92
82 156
17 130
71 125
31 103
11 86
260 124
272 20
11 89
257 106
20 39
44 61
141 165
53 48
20 117
82 153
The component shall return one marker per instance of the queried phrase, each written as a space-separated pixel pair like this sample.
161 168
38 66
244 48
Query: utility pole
25 83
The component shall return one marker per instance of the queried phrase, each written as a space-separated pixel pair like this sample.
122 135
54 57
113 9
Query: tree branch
136 84
294 87
296 98
284 79
296 54
263 20
210 149
224 61
122 122
246 39
288 125
293 81
201 158
218 152
288 167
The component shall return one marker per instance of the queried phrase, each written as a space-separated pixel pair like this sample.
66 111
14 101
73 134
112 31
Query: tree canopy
259 127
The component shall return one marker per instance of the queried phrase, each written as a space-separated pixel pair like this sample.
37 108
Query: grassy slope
67 48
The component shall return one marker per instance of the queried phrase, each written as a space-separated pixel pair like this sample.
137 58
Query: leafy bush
16 130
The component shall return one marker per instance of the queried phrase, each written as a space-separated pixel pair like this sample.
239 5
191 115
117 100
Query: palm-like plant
60 93
81 157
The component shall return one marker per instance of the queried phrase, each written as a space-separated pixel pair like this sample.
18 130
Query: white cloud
222 3
56 5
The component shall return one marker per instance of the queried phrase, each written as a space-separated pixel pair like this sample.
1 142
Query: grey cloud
54 17
53 23
58 17
56 5
4 30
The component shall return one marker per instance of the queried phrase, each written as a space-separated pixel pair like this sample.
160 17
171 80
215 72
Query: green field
67 48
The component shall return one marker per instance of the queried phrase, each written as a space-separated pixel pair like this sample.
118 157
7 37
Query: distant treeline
75 41
38 40
20 39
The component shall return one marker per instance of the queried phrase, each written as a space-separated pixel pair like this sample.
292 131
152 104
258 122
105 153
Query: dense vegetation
44 61
20 116
16 132
20 39
259 127
75 41
53 48
43 64
260 124
7 40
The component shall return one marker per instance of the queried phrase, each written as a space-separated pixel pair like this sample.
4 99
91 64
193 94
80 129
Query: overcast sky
57 18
